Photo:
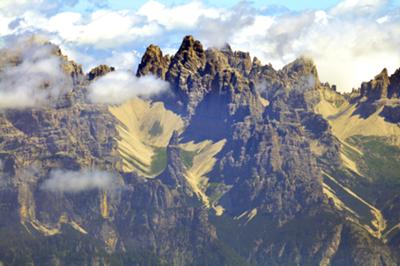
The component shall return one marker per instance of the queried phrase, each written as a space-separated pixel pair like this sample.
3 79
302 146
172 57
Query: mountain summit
234 163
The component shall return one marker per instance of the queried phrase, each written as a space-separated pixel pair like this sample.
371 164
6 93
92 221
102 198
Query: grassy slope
377 180
380 161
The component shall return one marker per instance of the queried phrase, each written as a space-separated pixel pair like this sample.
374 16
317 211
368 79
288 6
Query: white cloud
34 81
106 29
180 16
101 29
17 7
4 22
119 86
347 49
77 181
349 42
358 7
123 60
218 31
120 60
382 19
87 59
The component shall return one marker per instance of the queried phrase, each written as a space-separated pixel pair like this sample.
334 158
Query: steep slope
368 142
237 164
260 135
144 129
366 113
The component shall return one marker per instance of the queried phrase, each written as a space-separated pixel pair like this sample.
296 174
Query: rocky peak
394 87
376 88
227 48
298 79
99 71
190 45
154 62
73 69
241 61
190 54
35 48
238 60
188 62
264 75
256 62
217 61
301 67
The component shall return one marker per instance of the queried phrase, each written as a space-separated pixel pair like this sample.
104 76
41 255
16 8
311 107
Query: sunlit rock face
235 164
99 71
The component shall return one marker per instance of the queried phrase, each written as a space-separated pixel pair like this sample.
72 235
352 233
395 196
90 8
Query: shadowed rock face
391 113
376 88
240 181
394 87
382 86
380 95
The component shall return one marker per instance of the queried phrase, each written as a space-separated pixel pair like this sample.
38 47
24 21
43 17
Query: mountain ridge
234 148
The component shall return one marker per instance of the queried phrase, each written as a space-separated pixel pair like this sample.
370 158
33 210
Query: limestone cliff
237 164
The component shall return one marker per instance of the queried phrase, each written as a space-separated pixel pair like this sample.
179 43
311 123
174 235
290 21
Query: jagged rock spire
154 62
188 61
99 71
376 88
302 66
394 87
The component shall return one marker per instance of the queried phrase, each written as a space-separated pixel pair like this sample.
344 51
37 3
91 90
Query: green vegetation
379 183
380 161
156 129
187 157
220 254
240 236
19 247
133 161
159 160
362 210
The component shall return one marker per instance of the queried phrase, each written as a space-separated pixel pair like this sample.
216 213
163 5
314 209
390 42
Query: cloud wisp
119 86
350 42
77 181
219 30
31 75
346 49
13 7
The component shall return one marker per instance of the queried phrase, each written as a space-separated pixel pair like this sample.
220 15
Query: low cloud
219 31
120 60
123 60
119 86
31 75
184 16
359 7
77 181
350 42
103 29
347 46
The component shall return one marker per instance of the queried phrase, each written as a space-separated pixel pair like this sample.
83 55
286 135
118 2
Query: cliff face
235 165
380 95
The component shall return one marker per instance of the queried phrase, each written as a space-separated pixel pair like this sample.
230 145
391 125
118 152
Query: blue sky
349 40
292 4
296 5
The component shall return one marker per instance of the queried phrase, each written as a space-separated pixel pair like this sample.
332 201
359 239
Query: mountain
235 164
